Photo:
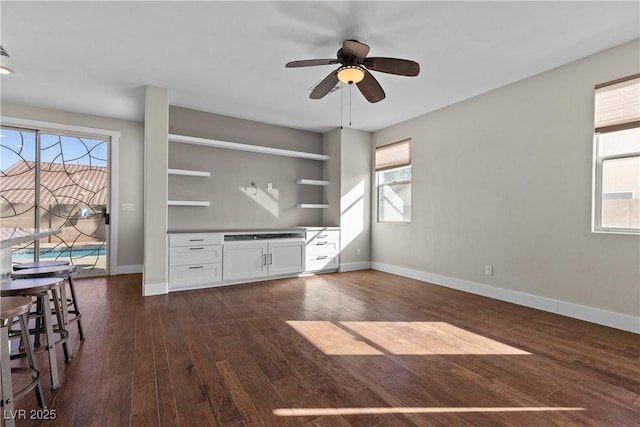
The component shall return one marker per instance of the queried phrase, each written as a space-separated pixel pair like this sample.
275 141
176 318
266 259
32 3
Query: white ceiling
228 57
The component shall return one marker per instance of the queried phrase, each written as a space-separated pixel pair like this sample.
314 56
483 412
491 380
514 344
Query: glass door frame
113 138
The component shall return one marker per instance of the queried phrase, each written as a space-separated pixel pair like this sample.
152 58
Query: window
393 179
617 156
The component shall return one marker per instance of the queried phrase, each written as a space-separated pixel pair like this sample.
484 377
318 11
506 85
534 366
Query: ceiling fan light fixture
350 74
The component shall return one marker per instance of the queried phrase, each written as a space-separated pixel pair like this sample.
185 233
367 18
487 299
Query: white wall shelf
245 147
312 206
186 172
188 203
311 182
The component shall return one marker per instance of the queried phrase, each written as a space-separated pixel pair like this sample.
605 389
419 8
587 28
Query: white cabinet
194 259
286 257
322 250
245 260
259 259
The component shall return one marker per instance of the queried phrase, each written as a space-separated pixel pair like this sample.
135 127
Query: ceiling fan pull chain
350 91
341 104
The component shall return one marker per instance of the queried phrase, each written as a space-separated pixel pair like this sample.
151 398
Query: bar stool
11 307
65 271
44 290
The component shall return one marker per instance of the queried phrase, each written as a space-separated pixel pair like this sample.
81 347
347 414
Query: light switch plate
127 207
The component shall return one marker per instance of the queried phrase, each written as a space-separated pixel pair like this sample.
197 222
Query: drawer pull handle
196 240
323 257
270 259
321 243
264 259
322 236
196 249
196 267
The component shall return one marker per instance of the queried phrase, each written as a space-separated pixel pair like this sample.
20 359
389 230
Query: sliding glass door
55 180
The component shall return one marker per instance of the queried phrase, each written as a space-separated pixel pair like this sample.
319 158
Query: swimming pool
24 255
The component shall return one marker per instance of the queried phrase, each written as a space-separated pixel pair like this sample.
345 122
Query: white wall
130 161
505 179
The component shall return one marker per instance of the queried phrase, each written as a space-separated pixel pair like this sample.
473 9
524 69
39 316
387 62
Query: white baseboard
151 289
353 266
576 311
127 269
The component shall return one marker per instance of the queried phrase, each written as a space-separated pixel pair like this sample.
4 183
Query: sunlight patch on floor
318 412
331 339
400 338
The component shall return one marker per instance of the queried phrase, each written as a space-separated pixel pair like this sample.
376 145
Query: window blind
618 105
393 155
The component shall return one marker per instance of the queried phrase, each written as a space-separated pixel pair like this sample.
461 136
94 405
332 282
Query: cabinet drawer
323 236
321 262
322 247
190 275
189 255
194 239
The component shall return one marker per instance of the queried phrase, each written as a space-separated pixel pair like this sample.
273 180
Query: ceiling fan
355 68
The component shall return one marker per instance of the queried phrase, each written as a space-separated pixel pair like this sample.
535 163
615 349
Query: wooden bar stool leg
5 376
51 342
24 327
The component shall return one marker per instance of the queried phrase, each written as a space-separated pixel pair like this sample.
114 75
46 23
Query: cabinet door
286 257
244 260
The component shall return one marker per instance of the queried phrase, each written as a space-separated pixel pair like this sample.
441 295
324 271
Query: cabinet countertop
231 231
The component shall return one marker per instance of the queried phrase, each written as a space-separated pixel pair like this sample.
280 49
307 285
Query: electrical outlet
127 207
488 270
358 252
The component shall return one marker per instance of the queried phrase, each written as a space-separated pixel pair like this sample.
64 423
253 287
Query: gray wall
130 161
355 190
349 194
505 179
234 202
156 123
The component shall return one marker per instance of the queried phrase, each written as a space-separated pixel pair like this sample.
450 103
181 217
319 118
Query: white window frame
617 113
378 186
597 189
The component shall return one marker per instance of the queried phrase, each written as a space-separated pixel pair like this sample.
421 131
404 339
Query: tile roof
64 184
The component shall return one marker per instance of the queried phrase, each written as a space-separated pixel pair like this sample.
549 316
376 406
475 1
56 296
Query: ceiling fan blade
401 67
325 86
370 88
355 48
310 63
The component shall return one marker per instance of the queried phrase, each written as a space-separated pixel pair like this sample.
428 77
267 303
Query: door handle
270 259
264 259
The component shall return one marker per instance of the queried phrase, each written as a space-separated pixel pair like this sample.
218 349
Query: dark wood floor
362 348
